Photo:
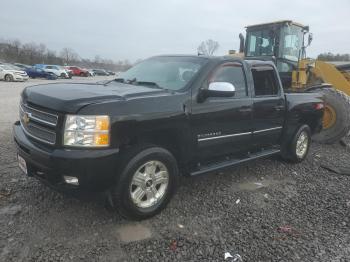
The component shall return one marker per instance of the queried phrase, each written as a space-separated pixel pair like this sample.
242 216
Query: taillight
319 106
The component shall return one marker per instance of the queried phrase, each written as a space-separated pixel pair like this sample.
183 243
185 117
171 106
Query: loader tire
336 120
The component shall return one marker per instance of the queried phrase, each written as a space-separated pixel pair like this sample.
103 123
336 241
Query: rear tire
338 102
297 150
137 182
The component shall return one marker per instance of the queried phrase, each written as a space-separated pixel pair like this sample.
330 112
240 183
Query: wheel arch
9 74
171 139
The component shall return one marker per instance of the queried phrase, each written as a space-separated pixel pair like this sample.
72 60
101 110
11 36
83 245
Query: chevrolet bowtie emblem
26 118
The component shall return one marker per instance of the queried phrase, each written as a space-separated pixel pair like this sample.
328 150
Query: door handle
279 108
245 109
185 109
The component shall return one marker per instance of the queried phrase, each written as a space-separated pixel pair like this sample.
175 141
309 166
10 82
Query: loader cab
281 42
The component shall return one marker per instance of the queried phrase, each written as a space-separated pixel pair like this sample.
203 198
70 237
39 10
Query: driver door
223 125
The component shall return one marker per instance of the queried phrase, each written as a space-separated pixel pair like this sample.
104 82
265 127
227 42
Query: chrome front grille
38 124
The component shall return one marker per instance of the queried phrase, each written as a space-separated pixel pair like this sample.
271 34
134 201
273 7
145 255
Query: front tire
148 179
297 150
8 78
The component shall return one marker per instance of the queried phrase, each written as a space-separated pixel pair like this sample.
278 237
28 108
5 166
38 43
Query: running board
233 162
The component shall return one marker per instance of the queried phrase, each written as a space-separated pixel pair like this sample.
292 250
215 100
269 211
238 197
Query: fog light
71 180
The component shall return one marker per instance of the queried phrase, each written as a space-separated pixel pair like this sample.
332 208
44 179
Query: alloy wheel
149 184
302 144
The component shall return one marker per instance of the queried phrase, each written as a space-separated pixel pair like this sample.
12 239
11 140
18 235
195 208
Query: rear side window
234 74
265 82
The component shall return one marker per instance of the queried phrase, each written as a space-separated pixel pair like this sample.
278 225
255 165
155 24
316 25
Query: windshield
15 67
291 42
9 67
260 43
165 72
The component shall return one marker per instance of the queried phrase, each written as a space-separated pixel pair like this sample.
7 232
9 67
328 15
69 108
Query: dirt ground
267 210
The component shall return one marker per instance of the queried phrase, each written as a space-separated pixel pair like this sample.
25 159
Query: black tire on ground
8 78
340 102
134 159
50 76
291 153
63 75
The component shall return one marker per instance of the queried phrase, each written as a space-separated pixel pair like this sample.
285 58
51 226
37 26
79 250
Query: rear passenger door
268 106
49 69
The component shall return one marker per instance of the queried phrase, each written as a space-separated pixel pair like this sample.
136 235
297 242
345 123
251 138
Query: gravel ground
267 210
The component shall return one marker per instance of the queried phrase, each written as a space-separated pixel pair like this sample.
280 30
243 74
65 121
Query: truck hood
70 97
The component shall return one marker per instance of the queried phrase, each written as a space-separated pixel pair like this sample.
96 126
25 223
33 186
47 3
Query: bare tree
32 53
68 55
208 47
333 57
41 53
52 58
97 59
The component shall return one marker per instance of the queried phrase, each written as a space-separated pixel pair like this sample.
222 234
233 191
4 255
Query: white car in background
10 73
91 72
57 70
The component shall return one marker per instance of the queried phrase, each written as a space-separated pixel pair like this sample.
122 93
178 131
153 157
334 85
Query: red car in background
77 71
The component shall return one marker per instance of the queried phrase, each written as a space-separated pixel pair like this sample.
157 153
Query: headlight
86 131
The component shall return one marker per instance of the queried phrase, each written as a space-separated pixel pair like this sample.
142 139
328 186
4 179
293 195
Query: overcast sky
130 29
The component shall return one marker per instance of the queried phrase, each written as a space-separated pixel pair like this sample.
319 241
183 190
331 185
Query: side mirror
217 89
241 43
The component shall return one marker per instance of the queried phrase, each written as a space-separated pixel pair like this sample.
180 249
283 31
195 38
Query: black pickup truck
166 116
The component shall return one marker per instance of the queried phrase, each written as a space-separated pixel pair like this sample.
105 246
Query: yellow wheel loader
283 42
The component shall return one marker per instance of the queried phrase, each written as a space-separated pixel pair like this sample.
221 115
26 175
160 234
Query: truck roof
290 22
252 62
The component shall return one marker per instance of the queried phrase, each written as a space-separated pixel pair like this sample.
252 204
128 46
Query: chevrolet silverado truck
168 115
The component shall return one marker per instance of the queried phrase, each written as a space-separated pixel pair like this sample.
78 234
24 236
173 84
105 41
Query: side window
284 67
234 74
265 82
252 45
48 67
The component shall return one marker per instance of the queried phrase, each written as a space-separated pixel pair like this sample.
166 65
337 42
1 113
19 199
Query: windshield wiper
148 83
121 80
134 81
125 81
